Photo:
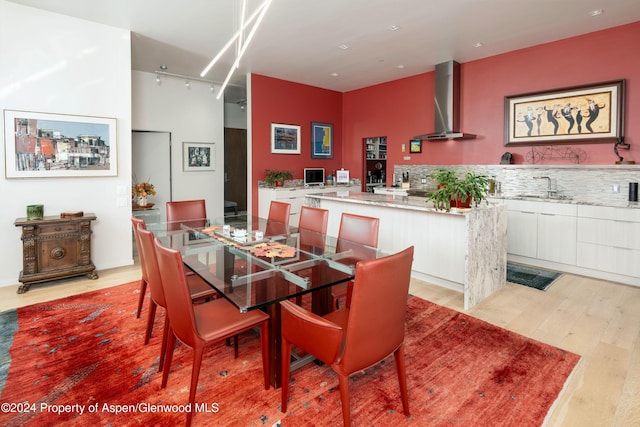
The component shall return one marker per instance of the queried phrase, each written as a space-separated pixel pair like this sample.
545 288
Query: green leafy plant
457 191
273 176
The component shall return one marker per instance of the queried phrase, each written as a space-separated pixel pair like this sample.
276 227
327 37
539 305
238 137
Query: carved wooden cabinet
55 248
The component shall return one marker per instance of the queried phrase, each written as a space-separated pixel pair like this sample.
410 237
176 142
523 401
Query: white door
151 161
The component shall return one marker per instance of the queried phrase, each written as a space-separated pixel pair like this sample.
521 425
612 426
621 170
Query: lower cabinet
522 233
609 239
557 238
542 230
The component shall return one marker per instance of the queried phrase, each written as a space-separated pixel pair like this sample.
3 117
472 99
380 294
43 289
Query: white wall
234 116
191 115
57 64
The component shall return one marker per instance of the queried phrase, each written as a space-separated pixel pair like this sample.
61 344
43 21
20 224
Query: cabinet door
557 238
522 233
57 253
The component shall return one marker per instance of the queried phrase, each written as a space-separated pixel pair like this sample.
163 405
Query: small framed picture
321 140
198 156
285 139
415 146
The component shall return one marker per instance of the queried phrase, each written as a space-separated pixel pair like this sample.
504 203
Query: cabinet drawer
609 259
551 208
606 212
622 234
57 228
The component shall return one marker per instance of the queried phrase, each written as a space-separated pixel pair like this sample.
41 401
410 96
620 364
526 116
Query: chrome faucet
549 190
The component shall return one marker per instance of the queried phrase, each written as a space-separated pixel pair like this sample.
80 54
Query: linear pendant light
243 49
237 34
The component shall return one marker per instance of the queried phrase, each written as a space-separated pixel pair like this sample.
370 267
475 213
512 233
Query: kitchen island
464 250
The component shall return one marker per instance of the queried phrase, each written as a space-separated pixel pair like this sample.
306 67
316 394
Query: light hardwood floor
596 319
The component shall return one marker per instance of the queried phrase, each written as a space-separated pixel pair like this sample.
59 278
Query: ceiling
300 41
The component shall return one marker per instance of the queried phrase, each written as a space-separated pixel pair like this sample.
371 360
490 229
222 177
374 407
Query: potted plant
276 178
454 191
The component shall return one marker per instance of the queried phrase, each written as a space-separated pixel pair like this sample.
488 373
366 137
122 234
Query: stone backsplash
587 184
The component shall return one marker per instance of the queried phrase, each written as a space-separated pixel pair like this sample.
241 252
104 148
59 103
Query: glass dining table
255 263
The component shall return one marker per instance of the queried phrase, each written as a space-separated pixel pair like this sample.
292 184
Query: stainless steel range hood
447 104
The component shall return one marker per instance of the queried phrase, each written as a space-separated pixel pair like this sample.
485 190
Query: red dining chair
199 290
197 325
279 212
312 228
353 229
189 212
357 337
138 222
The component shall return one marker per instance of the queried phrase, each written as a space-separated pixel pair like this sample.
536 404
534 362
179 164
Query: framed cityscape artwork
43 145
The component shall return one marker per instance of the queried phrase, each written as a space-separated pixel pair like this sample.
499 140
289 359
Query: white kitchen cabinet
542 230
295 197
609 239
522 233
557 238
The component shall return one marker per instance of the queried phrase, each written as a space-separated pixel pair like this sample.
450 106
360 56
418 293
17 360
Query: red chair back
179 305
149 260
190 212
358 229
378 307
279 212
314 219
313 228
137 222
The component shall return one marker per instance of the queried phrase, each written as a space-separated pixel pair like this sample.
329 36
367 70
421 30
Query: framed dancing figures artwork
285 139
198 157
581 114
321 140
45 145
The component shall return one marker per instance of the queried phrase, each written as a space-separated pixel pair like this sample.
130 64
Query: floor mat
532 277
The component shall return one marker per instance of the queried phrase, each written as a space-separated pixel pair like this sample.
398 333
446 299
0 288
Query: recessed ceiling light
478 44
334 74
394 28
401 66
163 67
343 47
596 12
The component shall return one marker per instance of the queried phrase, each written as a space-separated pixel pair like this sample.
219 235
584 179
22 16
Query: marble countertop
569 200
392 201
420 203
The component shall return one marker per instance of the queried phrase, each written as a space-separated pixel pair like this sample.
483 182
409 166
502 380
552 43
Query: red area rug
86 352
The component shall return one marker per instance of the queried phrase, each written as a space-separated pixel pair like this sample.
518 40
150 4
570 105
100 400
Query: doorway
151 162
235 167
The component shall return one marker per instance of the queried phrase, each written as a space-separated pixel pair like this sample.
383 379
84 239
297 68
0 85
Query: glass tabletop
254 262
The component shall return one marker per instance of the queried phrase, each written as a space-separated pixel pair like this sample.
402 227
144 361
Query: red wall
403 108
280 101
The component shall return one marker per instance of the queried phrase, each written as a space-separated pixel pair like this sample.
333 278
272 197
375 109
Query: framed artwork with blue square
321 140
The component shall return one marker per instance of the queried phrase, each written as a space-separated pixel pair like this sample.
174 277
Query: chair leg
143 290
235 346
285 368
344 396
195 373
171 343
165 337
398 356
264 349
150 319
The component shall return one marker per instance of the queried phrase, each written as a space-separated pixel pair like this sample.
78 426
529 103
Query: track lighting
158 79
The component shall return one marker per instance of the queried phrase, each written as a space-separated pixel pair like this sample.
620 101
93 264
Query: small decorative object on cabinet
55 248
